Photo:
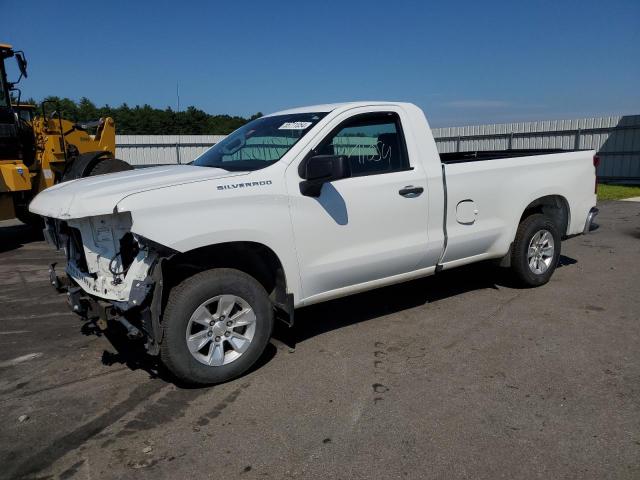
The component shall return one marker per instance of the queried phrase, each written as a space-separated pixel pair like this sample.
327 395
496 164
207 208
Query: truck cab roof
329 107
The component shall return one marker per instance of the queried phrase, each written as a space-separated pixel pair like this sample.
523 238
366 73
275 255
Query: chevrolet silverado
295 208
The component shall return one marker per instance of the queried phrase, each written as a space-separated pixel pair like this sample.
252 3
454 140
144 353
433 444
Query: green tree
145 119
87 110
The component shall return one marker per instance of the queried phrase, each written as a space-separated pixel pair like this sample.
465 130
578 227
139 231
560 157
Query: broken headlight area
106 260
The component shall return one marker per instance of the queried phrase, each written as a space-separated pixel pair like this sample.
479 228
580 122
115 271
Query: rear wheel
216 325
109 165
536 250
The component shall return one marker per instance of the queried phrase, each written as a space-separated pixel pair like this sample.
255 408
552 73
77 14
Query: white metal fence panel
140 150
616 138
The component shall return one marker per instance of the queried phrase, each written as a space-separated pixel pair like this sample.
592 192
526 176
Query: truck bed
480 155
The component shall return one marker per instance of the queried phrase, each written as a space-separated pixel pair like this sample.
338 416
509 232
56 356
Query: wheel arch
253 258
556 207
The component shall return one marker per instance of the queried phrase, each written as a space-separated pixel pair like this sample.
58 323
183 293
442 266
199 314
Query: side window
373 143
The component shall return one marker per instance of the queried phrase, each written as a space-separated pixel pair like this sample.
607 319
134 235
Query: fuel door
466 212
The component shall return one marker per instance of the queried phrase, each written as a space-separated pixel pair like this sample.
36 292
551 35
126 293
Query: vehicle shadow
16 235
332 315
564 261
133 355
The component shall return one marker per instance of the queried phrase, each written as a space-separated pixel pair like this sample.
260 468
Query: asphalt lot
455 376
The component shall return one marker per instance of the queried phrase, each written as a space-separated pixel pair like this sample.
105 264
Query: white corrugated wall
162 149
616 138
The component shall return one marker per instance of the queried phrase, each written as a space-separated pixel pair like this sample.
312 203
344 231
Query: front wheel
536 250
216 325
32 220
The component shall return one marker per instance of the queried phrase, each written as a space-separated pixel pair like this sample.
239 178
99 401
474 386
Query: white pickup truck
295 208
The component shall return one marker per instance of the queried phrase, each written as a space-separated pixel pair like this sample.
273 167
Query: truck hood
99 195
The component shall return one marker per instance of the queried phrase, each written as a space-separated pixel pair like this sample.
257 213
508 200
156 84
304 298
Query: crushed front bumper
141 321
99 288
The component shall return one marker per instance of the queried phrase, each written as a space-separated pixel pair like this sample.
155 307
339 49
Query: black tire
32 220
183 301
528 228
109 165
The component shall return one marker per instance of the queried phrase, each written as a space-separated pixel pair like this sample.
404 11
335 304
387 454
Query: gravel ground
460 375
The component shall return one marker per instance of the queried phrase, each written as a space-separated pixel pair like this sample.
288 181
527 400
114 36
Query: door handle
410 191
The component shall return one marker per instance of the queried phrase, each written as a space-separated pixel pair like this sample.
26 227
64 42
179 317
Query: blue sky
463 61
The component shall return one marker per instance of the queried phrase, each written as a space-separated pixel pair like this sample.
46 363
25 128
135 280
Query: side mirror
22 64
322 169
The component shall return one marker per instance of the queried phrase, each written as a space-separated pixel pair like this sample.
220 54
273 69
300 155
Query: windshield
259 143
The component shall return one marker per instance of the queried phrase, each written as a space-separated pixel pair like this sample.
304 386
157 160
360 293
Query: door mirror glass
322 169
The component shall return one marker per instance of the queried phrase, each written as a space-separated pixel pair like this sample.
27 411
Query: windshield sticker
295 125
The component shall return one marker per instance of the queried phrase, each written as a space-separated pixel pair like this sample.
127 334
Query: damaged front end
112 274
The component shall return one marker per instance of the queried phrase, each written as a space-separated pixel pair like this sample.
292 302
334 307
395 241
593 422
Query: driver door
366 227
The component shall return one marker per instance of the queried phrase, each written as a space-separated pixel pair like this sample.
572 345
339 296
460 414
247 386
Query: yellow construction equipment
37 151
